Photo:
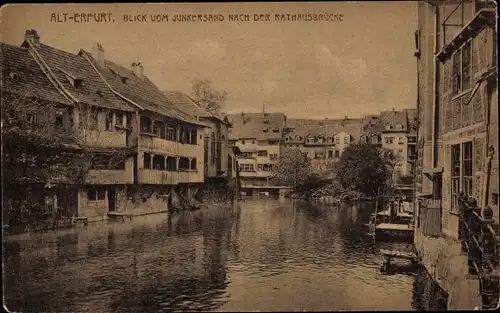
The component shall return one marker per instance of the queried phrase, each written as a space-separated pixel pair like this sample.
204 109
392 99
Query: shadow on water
259 255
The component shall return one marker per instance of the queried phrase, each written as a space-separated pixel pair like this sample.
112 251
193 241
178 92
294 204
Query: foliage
293 169
207 97
364 168
36 151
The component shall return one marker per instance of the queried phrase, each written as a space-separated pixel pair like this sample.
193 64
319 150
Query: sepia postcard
279 156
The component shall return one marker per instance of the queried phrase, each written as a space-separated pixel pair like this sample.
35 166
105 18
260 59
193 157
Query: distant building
258 137
322 141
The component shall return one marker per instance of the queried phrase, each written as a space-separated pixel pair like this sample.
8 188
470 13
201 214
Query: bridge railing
480 242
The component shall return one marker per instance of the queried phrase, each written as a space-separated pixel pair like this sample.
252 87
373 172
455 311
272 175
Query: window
246 168
330 154
193 164
462 69
194 137
184 164
171 164
109 121
14 76
265 130
157 128
455 175
273 156
243 142
276 130
119 119
145 125
388 127
467 169
31 117
159 162
401 140
346 139
147 160
259 167
262 153
59 118
466 66
337 139
337 153
389 140
399 127
253 142
171 133
96 193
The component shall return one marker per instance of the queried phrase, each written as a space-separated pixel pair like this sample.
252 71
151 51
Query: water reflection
258 255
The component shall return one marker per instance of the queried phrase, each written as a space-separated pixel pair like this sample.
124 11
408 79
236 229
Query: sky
363 64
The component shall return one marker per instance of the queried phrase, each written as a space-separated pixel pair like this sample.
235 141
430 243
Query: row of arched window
182 134
168 163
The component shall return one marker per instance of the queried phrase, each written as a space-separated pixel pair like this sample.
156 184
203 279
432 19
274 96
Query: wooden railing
479 241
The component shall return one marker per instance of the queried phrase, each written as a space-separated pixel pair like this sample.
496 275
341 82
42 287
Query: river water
260 255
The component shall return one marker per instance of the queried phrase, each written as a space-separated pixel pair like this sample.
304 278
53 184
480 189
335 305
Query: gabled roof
325 127
184 103
65 66
31 80
393 118
140 90
253 125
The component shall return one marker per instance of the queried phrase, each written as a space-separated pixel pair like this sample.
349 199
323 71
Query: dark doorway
111 199
67 199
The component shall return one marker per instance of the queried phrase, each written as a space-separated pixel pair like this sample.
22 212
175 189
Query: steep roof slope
66 66
31 80
140 90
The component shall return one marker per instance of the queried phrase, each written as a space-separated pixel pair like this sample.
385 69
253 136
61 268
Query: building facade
457 139
258 137
143 154
322 141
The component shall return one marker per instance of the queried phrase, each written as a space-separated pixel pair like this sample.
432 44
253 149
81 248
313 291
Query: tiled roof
31 79
252 125
394 118
325 127
92 91
371 125
140 90
184 103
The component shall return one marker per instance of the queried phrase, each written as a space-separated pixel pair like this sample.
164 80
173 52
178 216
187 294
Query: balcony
157 177
162 146
190 176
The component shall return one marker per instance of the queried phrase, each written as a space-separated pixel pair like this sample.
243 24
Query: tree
38 155
207 97
364 168
292 169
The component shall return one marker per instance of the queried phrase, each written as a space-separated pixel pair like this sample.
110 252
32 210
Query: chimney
137 69
33 35
98 54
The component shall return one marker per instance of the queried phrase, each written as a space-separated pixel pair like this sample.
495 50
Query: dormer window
276 130
78 83
265 130
14 76
399 126
388 127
